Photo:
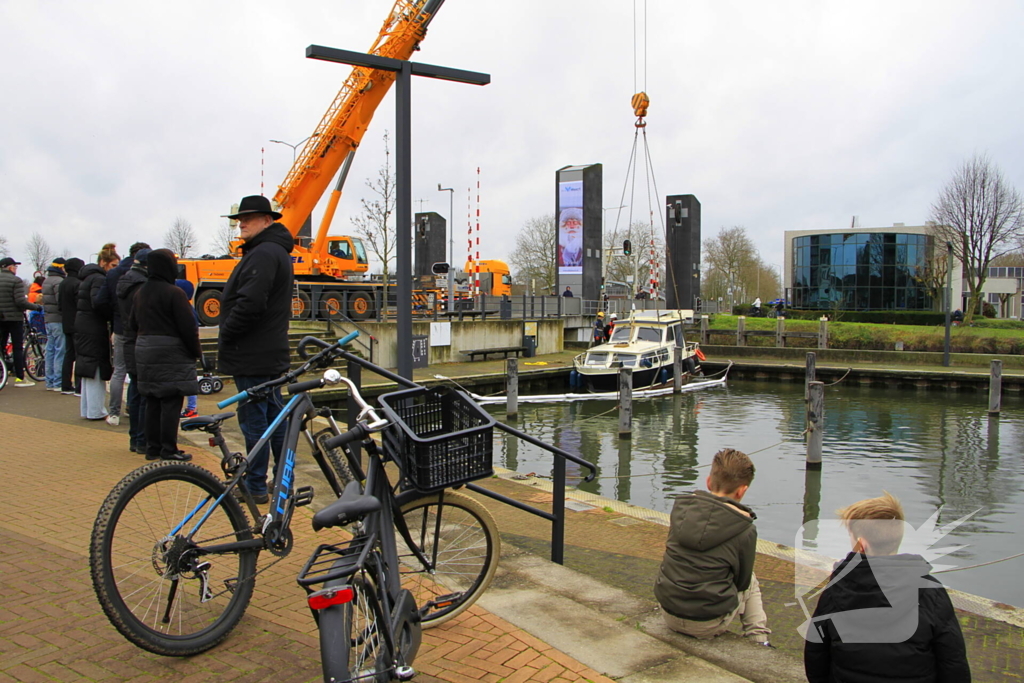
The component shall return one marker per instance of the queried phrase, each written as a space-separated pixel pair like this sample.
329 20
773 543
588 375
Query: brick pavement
58 470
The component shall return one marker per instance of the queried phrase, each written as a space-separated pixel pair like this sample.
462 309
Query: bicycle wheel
335 456
157 587
352 643
460 539
3 371
35 361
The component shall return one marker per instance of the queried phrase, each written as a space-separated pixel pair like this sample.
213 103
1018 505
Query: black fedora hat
254 204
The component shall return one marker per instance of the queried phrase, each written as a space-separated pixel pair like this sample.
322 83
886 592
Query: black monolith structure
682 262
430 239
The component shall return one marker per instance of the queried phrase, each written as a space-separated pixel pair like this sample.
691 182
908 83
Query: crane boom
343 125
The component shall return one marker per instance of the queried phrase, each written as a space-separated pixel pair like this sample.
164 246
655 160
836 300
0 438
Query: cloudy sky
117 117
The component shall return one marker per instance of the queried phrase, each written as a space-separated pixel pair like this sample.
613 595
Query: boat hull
642 379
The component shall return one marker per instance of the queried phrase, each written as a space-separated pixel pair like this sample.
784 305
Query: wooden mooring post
995 387
704 330
815 423
512 387
741 331
625 402
809 374
677 369
823 333
780 332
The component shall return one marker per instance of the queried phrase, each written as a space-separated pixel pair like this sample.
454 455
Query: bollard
741 331
780 332
704 330
512 387
677 369
823 333
815 423
625 402
995 387
809 374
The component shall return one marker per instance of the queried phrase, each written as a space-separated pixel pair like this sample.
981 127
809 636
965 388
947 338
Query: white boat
644 342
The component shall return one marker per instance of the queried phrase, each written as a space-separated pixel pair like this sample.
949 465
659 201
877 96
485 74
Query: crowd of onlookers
100 343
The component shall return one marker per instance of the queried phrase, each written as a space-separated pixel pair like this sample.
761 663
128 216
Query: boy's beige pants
750 609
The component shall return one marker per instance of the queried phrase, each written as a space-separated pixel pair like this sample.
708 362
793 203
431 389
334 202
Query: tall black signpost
403 166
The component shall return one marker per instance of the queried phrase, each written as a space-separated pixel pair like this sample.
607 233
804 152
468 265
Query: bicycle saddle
204 422
351 506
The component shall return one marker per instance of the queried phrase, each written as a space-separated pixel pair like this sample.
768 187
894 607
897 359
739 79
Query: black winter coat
913 615
92 325
127 286
54 278
12 298
256 307
709 557
167 345
67 301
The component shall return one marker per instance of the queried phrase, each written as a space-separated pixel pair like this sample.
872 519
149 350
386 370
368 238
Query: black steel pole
949 301
403 215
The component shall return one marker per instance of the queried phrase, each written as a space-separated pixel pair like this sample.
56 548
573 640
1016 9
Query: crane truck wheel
331 304
208 307
360 306
301 307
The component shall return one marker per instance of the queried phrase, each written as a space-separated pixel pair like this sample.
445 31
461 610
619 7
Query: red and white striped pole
469 236
476 281
262 164
653 265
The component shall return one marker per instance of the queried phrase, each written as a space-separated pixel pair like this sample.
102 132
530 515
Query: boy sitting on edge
707 575
882 616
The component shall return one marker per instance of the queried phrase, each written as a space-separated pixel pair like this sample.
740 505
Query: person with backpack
67 306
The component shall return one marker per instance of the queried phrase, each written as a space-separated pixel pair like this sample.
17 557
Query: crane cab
346 254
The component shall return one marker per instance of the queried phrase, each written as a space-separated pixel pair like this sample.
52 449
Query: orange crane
328 267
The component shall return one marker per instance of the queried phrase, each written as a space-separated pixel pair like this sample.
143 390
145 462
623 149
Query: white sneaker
113 420
53 388
23 382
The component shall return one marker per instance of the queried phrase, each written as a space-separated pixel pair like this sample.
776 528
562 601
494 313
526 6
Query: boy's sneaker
53 388
113 420
185 414
23 382
68 393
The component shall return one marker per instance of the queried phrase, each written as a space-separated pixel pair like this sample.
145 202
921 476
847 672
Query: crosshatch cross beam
405 70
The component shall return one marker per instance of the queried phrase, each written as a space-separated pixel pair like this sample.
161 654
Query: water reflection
930 449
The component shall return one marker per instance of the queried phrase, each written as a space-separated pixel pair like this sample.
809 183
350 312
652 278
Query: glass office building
860 271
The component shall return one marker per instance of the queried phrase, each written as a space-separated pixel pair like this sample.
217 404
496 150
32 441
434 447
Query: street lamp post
451 244
949 302
611 250
295 146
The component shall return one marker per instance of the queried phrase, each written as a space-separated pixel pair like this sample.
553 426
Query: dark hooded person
127 286
54 324
67 305
166 350
255 312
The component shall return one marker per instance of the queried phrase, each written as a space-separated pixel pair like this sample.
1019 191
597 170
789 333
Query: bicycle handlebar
233 399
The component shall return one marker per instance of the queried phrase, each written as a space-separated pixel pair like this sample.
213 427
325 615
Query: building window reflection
860 271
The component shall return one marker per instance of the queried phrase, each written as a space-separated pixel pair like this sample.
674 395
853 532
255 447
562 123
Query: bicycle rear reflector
338 595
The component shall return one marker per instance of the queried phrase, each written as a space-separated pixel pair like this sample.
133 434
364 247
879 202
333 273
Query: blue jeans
254 418
54 354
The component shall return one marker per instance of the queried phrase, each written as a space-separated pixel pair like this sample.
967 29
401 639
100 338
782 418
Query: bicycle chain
236 582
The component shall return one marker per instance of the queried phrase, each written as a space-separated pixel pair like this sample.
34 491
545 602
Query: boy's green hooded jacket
709 557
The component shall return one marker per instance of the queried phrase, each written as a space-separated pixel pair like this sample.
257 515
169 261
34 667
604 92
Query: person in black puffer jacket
54 324
255 312
92 333
882 616
166 350
67 304
127 286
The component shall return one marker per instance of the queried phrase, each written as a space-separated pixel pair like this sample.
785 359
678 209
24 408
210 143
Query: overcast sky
117 117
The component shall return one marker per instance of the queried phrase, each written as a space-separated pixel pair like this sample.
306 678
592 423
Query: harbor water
935 451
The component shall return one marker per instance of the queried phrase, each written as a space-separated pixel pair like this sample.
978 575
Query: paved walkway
57 469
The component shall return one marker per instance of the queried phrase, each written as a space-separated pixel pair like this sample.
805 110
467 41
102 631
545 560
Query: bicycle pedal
303 496
404 673
444 600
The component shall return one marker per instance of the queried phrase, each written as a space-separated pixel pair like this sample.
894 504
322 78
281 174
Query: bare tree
731 262
39 252
375 224
181 238
3 246
533 258
982 216
222 239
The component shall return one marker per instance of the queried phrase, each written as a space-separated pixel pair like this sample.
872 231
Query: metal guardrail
557 514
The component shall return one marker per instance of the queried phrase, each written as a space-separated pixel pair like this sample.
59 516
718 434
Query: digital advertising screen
570 227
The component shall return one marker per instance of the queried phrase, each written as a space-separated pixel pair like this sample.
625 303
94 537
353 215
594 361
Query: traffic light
440 268
627 247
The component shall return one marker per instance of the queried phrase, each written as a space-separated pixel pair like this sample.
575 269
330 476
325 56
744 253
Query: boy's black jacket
935 651
709 557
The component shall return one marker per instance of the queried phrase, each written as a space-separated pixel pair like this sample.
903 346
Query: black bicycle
35 357
173 555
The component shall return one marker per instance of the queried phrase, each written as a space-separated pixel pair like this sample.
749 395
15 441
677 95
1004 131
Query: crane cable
640 103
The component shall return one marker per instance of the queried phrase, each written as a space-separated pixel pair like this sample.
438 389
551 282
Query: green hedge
877 317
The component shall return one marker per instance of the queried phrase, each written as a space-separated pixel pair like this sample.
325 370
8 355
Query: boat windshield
649 334
621 333
625 360
597 358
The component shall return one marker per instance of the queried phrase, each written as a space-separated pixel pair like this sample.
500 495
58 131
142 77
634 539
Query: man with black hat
54 324
254 315
13 303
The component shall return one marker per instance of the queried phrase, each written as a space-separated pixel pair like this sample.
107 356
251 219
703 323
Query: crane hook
640 103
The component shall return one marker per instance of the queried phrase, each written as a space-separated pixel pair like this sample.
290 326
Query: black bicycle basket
440 436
